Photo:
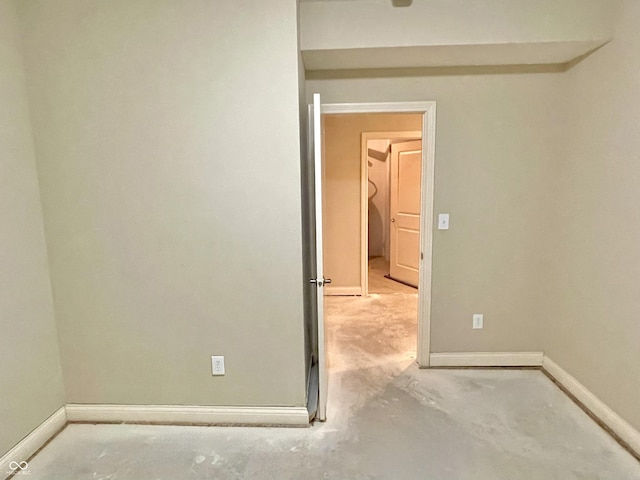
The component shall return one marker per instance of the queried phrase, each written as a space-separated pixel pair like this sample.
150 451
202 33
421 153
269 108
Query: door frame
364 195
428 111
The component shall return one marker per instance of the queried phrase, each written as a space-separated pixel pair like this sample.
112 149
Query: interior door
315 143
406 172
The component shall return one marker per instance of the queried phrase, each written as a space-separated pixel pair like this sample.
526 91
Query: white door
406 171
315 140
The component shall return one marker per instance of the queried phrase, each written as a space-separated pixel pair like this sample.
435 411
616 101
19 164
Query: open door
406 172
315 150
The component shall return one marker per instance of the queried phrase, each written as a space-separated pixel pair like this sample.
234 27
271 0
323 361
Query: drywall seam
16 458
188 414
620 427
486 359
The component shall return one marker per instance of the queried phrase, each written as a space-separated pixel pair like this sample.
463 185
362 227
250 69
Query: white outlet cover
217 365
478 321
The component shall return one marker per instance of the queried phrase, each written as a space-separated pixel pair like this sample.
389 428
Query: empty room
218 261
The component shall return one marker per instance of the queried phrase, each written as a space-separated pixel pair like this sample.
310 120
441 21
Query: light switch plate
478 321
443 221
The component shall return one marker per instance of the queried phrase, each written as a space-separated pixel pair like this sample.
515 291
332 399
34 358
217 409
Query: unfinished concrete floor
387 420
378 283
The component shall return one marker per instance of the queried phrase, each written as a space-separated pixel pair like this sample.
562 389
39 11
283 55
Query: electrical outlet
478 321
217 365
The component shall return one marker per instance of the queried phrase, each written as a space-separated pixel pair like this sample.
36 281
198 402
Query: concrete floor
387 420
378 268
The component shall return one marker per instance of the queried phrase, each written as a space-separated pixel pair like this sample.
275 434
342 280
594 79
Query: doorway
427 115
369 173
390 169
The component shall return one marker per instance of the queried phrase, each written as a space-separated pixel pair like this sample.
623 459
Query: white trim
386 107
346 291
428 109
34 441
487 359
426 234
318 168
602 411
187 414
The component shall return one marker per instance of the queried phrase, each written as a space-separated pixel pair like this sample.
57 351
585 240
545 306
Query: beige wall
157 123
496 146
540 175
342 222
378 197
374 34
160 224
30 376
308 218
594 297
371 24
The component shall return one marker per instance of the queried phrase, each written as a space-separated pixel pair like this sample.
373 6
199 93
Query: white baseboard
33 442
331 290
486 359
186 414
611 419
